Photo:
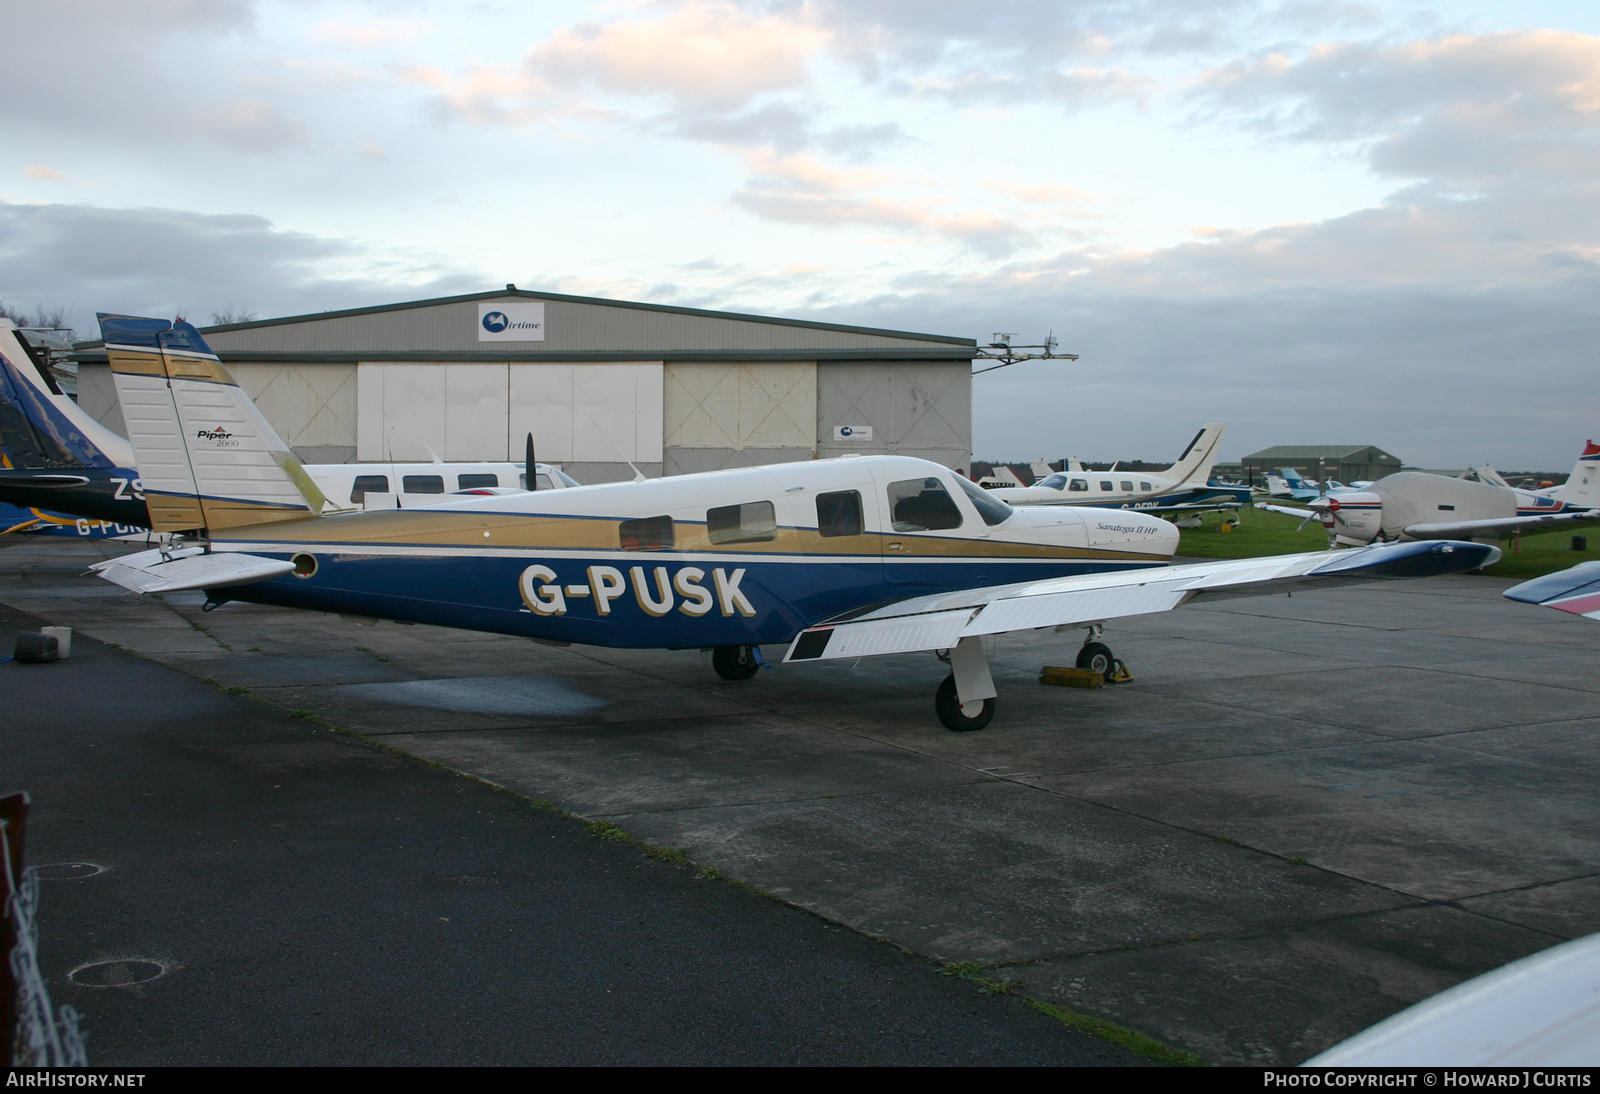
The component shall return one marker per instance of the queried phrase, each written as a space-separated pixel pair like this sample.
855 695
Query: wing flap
153 572
940 621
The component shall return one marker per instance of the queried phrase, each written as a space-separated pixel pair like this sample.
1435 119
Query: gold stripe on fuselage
419 527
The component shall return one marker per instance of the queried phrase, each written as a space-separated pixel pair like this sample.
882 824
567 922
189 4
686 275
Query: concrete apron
1303 814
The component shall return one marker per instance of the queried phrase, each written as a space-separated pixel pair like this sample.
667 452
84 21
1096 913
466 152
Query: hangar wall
597 382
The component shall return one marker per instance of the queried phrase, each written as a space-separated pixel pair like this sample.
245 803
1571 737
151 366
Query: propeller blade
533 477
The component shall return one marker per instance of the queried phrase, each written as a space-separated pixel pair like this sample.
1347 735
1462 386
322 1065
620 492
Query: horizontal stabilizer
1575 590
940 621
1287 510
192 568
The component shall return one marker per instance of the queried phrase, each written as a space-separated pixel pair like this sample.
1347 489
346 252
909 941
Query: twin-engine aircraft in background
1414 505
834 558
64 473
1183 488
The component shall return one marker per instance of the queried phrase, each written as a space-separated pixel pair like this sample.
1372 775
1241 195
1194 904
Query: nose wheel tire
1096 656
948 706
734 662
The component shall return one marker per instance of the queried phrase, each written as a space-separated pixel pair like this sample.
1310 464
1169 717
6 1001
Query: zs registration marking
688 589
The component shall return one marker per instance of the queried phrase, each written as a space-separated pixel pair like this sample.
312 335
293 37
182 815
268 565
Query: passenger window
476 482
423 484
752 522
1144 486
1079 484
922 505
647 534
1127 487
1105 484
378 484
839 514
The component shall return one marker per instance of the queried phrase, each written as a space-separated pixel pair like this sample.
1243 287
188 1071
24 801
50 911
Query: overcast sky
1318 222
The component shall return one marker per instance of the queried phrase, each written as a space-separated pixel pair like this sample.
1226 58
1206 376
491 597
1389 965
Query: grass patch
1262 533
606 830
236 689
297 713
972 973
1147 1047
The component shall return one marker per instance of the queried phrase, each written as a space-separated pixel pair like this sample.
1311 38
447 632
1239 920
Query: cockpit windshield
990 508
1054 482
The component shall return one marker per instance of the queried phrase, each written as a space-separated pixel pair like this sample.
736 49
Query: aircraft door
923 534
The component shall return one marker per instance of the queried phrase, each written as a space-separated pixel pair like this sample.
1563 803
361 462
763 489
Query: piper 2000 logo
656 592
220 435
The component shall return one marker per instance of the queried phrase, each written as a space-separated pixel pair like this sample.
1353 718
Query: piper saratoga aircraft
66 474
1414 505
834 558
1184 487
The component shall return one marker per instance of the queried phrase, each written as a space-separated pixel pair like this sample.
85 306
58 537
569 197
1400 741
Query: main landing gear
965 700
736 662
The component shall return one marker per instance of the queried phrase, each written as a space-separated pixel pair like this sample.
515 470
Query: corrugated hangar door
737 413
313 407
914 408
578 413
410 412
585 414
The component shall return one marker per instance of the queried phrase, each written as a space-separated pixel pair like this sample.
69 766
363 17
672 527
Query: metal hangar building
597 382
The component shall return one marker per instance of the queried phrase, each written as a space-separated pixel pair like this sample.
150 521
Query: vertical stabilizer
207 457
1582 488
1195 463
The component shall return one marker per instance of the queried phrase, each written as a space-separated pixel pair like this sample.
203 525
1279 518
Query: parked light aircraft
1414 505
846 557
1182 488
64 473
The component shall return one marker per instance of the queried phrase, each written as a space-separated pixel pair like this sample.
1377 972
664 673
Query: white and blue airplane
63 473
1575 590
847 557
1414 505
1183 488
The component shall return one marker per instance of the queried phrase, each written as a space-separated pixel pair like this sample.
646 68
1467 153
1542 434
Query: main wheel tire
734 662
1097 656
947 704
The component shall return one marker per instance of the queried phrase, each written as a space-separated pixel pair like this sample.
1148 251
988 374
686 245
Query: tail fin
1195 463
207 457
39 426
1582 488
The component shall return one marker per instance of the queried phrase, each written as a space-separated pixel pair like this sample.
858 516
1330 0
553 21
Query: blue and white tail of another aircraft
1185 487
840 558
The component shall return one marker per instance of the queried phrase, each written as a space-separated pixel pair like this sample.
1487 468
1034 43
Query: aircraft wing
940 621
1460 529
191 568
1289 509
1575 590
1189 507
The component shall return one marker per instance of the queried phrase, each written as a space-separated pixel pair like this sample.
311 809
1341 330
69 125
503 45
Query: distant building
1340 462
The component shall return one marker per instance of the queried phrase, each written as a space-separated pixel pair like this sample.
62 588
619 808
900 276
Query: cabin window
752 522
839 514
646 534
1105 484
544 482
922 505
991 509
1079 484
1144 486
1127 487
378 484
477 482
423 484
